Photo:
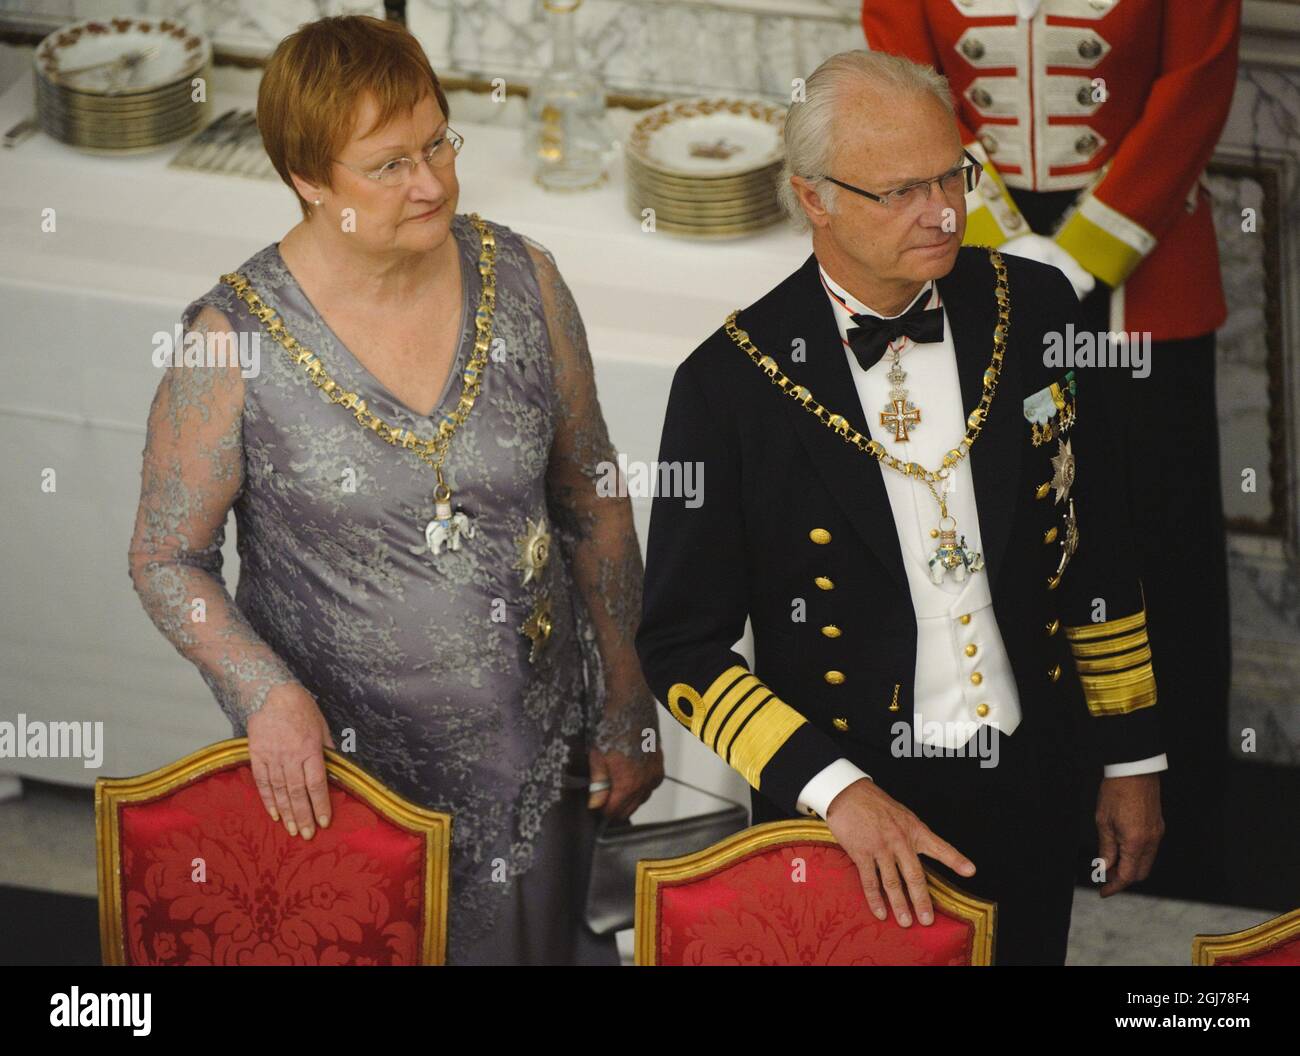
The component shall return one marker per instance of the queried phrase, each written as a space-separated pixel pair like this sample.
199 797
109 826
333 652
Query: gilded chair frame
651 874
1209 950
112 793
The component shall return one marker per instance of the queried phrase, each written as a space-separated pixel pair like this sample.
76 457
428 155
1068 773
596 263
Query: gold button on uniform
1049 536
977 678
820 535
965 619
834 677
831 631
824 582
1055 672
981 710
1053 582
971 649
1053 627
1043 489
841 724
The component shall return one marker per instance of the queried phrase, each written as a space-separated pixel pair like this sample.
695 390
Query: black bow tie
872 335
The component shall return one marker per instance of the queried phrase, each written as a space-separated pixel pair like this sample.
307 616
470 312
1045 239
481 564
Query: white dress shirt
951 687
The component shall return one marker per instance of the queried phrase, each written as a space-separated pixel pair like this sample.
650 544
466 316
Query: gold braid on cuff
1113 659
737 717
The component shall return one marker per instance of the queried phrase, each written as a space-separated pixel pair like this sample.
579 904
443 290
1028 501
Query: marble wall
640 47
1259 394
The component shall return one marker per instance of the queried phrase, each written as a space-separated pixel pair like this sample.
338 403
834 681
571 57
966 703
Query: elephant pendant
953 556
446 528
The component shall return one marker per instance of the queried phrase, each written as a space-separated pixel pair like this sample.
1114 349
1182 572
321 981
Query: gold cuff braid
1113 659
737 717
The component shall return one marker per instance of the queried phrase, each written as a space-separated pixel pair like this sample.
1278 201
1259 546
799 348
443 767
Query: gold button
824 582
834 677
831 631
820 535
977 678
1049 536
1053 582
1055 673
1043 489
965 619
841 724
1053 627
981 710
971 649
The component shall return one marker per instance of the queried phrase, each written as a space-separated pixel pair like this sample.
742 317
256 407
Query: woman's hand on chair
285 739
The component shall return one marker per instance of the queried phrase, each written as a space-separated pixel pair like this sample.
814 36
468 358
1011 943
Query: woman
423 420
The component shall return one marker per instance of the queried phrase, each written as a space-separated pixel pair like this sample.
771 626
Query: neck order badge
952 554
446 527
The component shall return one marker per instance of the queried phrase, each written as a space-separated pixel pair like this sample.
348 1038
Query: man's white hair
810 124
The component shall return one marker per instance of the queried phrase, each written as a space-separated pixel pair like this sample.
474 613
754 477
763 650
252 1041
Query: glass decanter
567 138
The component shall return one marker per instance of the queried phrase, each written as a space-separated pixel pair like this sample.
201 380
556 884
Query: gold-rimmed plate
702 221
720 233
644 172
111 105
121 56
755 187
759 194
708 137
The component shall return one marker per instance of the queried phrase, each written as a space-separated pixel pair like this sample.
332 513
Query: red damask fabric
769 909
1284 953
208 878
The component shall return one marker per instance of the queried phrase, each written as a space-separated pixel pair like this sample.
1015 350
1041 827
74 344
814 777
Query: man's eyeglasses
957 181
440 152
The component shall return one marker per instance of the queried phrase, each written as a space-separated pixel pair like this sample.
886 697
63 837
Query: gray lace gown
417 656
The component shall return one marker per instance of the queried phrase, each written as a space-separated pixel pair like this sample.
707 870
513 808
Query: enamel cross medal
446 527
899 412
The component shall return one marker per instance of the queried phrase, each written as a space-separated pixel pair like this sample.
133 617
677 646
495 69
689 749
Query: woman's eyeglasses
960 180
441 151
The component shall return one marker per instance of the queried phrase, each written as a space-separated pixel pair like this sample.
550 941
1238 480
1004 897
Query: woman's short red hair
307 101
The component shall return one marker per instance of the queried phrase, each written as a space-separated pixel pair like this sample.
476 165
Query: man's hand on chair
884 838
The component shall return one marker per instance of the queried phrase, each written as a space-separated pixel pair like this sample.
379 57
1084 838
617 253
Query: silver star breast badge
1063 464
534 549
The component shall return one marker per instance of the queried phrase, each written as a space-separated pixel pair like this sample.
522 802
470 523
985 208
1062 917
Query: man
879 598
1100 117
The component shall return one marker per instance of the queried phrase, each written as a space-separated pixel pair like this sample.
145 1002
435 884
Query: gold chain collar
434 450
839 424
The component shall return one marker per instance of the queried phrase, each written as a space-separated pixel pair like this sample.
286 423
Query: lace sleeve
192 473
595 531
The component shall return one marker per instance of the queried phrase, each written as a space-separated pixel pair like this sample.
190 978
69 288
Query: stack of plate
121 85
707 167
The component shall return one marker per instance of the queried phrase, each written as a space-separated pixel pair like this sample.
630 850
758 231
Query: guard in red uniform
1095 120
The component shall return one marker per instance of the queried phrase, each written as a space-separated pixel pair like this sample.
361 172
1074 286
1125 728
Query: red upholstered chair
1275 942
192 870
786 893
